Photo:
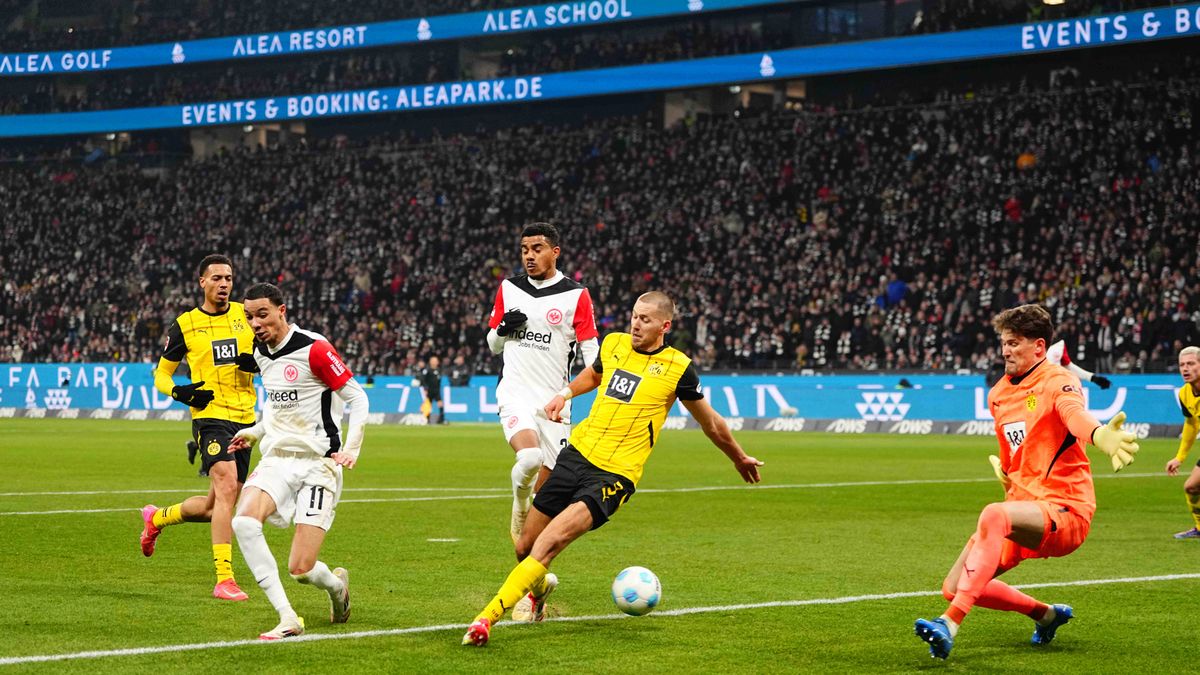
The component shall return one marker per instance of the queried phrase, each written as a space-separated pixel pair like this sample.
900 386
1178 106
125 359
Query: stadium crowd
872 238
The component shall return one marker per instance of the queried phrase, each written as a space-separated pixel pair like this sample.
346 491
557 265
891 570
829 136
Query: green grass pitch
423 531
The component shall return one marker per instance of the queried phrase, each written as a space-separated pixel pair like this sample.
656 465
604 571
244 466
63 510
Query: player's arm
327 365
247 438
584 324
587 380
1003 460
502 322
174 350
164 380
355 398
1109 438
718 432
1089 376
687 390
1191 427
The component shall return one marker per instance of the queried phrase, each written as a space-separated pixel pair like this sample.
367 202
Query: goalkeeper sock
223 561
1193 501
981 563
529 461
321 577
262 563
529 572
1001 596
168 515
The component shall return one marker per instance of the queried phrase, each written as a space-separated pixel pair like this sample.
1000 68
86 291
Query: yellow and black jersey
1189 403
211 343
637 390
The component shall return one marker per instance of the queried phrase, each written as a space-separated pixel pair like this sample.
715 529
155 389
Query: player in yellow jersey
1189 402
639 378
217 343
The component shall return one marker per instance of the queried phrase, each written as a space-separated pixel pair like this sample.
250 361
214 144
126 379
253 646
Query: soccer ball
636 591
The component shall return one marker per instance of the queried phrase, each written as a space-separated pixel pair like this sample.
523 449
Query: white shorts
305 489
552 436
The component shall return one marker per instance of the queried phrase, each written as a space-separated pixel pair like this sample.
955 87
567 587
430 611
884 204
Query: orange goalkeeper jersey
1043 425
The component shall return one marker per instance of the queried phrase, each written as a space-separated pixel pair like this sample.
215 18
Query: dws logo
882 407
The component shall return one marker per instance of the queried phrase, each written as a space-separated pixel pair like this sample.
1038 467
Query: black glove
246 363
512 320
1101 381
193 395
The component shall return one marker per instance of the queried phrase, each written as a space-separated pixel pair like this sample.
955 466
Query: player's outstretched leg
1044 630
339 603
290 626
154 520
262 565
150 531
532 607
334 582
478 633
524 472
937 635
527 574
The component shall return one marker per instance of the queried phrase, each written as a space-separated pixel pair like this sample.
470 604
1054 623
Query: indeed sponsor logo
532 336
285 396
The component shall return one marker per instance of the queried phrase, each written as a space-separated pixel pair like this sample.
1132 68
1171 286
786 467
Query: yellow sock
223 560
1194 502
529 572
168 515
538 588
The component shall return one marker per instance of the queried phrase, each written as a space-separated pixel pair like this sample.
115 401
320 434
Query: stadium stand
869 238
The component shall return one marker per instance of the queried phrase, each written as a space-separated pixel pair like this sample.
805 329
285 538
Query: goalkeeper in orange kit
1042 425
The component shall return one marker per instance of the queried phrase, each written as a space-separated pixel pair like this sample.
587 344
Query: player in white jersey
1057 354
541 322
299 478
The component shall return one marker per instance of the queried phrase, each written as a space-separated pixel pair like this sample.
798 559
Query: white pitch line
921 481
199 489
682 611
504 493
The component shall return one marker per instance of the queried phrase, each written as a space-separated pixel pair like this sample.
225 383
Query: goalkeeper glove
1101 381
246 363
1003 477
1116 443
512 320
193 395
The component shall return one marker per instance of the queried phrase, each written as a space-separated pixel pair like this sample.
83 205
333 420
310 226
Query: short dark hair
662 301
212 259
546 230
1027 321
264 290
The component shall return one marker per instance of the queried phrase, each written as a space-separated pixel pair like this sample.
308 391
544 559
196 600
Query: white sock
951 625
262 564
321 577
529 462
1049 617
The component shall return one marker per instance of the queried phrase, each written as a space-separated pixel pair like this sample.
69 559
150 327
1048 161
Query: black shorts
574 479
213 437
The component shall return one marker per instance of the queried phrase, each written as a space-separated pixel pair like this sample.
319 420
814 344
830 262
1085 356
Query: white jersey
301 412
538 355
1057 354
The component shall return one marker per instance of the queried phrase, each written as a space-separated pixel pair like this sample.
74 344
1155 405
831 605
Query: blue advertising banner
380 34
1148 399
803 62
